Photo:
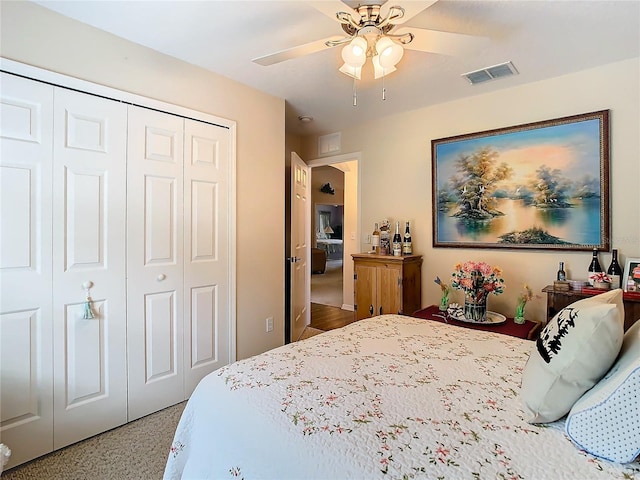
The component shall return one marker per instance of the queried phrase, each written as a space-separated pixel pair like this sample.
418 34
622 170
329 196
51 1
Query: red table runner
527 330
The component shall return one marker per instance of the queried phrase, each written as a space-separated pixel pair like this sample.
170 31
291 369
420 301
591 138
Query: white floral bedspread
389 397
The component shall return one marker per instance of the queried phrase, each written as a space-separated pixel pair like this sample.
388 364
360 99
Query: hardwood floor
325 317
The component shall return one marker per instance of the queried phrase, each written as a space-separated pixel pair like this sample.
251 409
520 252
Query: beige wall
34 35
350 233
396 175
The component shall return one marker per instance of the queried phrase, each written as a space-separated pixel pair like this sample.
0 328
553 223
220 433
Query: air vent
491 73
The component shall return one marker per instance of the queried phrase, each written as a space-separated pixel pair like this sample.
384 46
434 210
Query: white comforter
389 397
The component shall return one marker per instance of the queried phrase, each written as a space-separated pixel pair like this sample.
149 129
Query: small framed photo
631 278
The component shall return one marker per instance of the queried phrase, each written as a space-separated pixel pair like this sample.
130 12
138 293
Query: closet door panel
207 283
155 261
26 373
89 244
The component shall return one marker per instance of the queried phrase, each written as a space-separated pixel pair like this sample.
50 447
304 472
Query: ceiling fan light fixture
378 70
353 72
389 52
354 53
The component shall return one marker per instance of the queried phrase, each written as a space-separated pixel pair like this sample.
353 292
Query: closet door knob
161 277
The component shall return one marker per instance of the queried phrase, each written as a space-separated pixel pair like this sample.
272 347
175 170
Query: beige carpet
137 450
326 288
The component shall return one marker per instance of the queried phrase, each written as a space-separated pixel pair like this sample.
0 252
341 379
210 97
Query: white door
300 248
207 309
155 283
26 366
89 158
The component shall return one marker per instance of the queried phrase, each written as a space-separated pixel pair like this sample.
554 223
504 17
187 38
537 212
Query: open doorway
334 244
348 164
327 255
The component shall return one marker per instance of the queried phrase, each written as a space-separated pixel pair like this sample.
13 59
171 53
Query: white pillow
574 351
605 421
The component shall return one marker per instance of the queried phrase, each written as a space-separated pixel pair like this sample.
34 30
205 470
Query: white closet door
206 285
154 261
90 393
26 373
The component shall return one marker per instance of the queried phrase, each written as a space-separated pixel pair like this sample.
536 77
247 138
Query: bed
391 397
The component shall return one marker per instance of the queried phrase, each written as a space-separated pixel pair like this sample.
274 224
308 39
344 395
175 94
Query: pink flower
442 451
477 279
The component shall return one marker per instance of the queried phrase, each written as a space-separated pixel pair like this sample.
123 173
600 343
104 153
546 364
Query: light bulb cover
354 53
389 52
354 72
378 70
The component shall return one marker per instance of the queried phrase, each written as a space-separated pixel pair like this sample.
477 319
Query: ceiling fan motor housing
369 18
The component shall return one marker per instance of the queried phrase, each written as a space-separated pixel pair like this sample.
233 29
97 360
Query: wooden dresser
558 299
386 284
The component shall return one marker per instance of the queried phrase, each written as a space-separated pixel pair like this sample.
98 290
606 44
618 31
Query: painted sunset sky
572 148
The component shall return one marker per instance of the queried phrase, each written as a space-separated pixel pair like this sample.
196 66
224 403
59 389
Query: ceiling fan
375 31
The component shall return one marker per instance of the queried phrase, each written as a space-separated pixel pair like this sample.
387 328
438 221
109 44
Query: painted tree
587 187
551 187
476 181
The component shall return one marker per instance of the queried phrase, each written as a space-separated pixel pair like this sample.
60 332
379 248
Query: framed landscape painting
542 185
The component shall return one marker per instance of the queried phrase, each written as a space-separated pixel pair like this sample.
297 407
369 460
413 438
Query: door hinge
355 276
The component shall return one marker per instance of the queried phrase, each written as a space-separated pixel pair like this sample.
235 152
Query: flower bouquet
477 280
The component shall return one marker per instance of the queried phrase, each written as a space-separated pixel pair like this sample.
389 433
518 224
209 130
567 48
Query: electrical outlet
368 238
269 324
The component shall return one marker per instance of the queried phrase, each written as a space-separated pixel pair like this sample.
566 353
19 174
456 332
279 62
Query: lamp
389 52
354 55
379 70
328 229
369 37
385 54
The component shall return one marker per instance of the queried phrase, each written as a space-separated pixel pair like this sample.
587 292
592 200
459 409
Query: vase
519 317
475 311
444 302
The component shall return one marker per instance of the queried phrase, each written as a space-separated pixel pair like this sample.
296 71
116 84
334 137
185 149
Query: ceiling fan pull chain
384 90
355 93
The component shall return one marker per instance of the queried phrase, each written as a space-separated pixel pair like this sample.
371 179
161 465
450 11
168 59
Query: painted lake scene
530 188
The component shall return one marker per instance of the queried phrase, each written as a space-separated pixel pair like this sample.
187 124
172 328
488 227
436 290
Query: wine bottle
407 248
594 266
561 276
614 271
397 242
385 244
375 239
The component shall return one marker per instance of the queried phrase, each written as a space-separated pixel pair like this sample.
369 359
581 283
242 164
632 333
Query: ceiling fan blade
331 7
444 43
296 52
411 9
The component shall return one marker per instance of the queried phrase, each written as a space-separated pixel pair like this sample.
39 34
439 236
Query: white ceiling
543 39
